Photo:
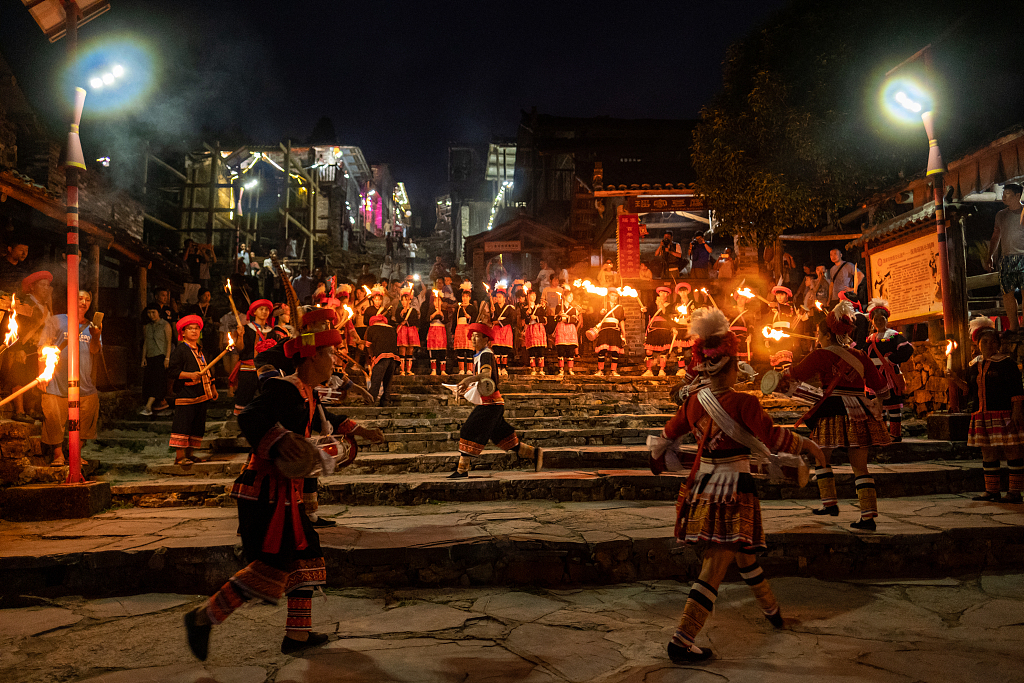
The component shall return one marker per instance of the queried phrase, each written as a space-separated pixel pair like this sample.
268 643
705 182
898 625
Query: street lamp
58 18
908 101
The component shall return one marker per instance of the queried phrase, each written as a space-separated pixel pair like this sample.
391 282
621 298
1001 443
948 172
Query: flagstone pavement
907 631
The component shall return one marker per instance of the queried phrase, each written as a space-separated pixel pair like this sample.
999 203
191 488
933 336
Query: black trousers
383 371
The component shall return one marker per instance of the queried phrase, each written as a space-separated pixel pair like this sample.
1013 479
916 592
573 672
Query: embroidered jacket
995 383
186 358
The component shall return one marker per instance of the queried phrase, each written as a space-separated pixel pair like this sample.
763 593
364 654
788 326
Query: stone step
191 551
583 484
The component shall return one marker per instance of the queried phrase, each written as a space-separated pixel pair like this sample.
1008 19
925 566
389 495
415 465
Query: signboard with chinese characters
505 247
907 274
629 245
653 204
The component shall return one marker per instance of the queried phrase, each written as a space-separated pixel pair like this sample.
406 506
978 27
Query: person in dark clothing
193 389
382 340
278 540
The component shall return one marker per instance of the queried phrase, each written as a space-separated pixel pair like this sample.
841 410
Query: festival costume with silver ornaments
609 343
887 350
844 417
660 334
718 503
279 542
487 422
995 384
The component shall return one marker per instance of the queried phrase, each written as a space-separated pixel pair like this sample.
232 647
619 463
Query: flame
817 304
745 293
227 287
683 309
52 355
629 291
12 334
502 284
231 342
436 293
367 290
349 311
951 346
487 288
769 333
526 286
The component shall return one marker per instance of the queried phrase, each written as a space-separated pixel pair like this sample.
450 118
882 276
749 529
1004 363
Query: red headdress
663 290
482 329
715 344
316 315
26 284
852 298
306 344
840 321
681 286
379 320
258 303
784 290
186 321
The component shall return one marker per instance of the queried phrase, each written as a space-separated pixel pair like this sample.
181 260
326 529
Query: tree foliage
796 136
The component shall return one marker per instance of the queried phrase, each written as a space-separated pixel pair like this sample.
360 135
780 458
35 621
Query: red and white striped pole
75 161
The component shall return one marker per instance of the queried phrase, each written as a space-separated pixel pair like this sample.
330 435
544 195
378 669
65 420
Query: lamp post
58 18
916 102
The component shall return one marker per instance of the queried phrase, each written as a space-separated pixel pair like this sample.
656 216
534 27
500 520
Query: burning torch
51 354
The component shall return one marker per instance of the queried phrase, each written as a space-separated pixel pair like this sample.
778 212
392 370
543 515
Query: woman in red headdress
278 538
193 389
659 338
718 504
255 339
844 417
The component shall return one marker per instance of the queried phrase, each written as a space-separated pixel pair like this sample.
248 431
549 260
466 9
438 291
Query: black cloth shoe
198 636
831 510
290 645
1013 498
776 619
864 525
458 475
682 655
320 521
989 498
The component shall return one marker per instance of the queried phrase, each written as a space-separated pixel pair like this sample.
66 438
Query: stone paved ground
943 630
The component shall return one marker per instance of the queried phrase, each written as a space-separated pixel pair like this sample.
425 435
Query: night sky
399 79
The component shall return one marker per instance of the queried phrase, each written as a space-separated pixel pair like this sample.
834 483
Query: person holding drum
487 420
609 333
504 318
658 340
844 416
567 320
279 541
887 349
718 504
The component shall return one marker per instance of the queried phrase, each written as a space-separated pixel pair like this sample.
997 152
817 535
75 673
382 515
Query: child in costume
658 340
437 334
610 335
567 320
504 318
535 333
465 315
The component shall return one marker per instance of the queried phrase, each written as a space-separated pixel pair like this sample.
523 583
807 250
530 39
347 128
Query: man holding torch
55 393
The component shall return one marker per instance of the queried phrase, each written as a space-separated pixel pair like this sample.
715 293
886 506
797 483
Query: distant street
926 631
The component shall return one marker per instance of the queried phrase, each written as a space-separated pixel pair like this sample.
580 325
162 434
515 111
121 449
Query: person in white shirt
544 276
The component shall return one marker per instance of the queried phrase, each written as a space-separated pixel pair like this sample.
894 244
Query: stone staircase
593 430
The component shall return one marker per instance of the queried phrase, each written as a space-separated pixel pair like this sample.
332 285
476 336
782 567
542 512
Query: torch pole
73 258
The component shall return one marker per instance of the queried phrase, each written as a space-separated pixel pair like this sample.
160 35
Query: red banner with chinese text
629 245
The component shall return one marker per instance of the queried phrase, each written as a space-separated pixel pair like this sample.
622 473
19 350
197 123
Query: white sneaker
146 412
615 373
599 373
649 373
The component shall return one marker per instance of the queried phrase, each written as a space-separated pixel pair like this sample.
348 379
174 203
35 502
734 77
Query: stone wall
21 461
